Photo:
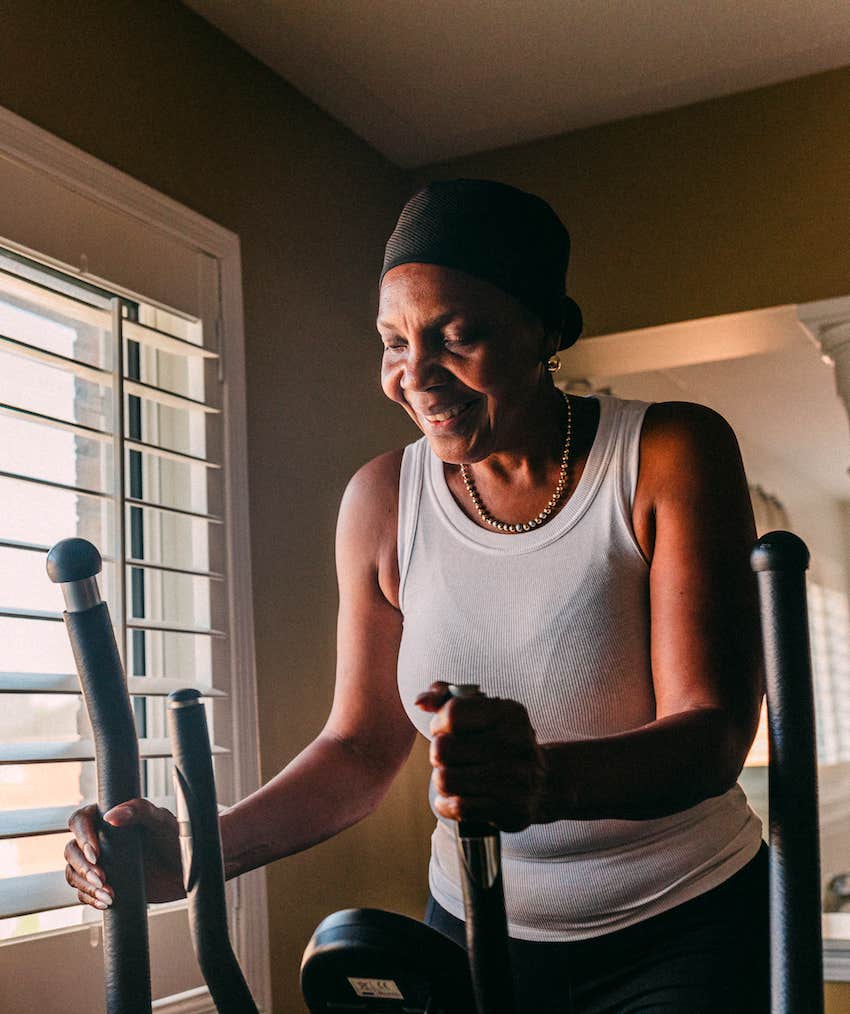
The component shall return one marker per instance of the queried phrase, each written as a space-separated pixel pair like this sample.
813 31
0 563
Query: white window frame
36 149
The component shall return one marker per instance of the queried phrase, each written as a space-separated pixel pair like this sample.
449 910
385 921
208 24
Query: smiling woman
585 561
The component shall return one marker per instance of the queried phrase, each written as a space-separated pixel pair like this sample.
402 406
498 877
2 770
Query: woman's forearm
661 768
329 786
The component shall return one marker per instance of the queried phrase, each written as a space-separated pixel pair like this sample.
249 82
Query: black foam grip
203 868
780 560
486 932
125 924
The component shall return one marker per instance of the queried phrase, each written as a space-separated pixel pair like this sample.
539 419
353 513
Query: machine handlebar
73 565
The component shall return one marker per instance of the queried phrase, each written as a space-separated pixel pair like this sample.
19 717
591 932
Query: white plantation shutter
108 429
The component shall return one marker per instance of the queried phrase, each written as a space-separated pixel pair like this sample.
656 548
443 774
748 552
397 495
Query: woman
585 560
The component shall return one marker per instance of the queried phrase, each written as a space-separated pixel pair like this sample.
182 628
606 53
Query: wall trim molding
38 150
685 343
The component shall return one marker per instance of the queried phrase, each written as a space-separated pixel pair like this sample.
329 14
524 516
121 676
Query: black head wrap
509 238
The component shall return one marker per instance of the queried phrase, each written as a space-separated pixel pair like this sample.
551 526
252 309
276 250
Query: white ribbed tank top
557 619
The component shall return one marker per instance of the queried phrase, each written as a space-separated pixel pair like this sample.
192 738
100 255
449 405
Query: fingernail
121 812
104 897
101 906
89 853
94 879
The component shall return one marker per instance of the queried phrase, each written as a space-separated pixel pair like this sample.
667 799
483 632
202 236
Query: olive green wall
151 88
732 204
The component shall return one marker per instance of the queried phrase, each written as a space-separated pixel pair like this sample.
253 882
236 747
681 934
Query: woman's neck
533 445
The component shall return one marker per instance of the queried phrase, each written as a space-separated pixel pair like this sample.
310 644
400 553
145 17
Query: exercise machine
367 960
398 963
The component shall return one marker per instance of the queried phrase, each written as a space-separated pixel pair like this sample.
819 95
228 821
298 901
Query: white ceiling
426 80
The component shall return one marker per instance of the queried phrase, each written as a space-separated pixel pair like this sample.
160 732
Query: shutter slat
134 502
76 366
53 484
45 298
34 547
166 397
162 340
29 547
29 614
55 422
212 575
170 453
67 683
51 819
164 627
39 892
58 751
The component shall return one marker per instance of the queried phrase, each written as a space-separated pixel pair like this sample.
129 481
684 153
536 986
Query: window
122 421
70 355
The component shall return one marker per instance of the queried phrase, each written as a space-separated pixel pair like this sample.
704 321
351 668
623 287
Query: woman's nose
420 370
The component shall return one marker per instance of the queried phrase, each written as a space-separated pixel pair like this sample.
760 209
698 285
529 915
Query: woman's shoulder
376 482
686 426
368 523
683 443
375 485
369 507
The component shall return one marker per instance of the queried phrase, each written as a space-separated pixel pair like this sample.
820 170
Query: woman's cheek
391 383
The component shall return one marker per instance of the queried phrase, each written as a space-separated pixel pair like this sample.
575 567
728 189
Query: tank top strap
413 463
625 465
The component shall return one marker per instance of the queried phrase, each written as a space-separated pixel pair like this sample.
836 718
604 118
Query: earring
554 363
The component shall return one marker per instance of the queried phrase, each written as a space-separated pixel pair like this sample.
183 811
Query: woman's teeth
448 414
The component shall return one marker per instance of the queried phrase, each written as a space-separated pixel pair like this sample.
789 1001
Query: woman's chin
456 450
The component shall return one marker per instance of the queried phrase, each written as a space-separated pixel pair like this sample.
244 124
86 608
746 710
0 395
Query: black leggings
706 956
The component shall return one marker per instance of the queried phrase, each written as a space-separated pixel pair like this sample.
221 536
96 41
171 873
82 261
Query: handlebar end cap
73 560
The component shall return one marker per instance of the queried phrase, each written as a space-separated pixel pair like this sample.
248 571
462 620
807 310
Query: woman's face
463 358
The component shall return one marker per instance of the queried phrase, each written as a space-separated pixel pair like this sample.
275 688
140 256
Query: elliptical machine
358 960
371 961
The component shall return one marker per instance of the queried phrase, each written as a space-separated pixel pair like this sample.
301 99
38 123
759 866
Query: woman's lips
449 417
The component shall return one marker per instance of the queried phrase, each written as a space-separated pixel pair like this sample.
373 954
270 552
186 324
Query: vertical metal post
74 564
480 859
780 560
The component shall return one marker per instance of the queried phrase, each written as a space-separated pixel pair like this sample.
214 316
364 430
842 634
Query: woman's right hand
160 848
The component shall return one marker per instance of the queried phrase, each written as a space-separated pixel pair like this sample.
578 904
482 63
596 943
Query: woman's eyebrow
435 324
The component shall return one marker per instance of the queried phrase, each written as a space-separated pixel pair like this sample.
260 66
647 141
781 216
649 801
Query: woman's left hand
486 759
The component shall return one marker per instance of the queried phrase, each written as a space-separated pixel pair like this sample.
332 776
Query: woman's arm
693 519
345 772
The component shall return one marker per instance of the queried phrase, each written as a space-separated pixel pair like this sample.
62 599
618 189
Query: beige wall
152 89
728 205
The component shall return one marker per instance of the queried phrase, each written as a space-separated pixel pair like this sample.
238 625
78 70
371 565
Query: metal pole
74 564
479 851
200 848
780 560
